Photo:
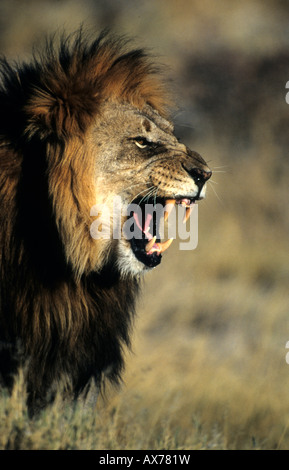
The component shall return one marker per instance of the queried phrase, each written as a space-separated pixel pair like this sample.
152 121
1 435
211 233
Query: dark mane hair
70 321
59 92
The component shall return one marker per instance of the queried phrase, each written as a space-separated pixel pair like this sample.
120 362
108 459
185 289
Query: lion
83 122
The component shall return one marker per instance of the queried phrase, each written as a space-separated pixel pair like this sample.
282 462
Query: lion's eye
141 142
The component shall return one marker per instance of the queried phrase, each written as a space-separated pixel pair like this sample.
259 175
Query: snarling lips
145 242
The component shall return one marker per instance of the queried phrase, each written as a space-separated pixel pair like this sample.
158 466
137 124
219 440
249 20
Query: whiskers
219 169
150 192
214 170
211 182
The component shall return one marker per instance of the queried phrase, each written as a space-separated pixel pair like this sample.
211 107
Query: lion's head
142 162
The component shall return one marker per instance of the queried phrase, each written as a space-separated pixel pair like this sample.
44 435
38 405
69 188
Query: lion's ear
64 111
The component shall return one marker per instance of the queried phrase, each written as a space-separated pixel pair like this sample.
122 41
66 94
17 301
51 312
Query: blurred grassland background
208 368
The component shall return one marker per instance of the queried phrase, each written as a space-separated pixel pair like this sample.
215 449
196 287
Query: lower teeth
152 247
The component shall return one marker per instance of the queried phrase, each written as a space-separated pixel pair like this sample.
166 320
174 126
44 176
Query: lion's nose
200 176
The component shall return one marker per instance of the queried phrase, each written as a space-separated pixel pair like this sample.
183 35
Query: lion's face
140 161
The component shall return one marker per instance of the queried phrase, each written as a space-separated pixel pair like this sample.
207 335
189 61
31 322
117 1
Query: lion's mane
68 319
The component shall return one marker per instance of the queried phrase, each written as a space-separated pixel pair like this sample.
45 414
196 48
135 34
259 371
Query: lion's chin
129 264
147 252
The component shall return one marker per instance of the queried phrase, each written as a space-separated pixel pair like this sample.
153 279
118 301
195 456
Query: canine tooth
188 213
165 245
146 228
170 201
169 207
150 244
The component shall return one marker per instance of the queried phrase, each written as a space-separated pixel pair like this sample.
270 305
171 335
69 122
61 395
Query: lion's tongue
146 227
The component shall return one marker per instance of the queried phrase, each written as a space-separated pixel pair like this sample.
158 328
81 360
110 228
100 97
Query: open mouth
144 231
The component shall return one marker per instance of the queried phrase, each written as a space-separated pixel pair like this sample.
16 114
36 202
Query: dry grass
208 368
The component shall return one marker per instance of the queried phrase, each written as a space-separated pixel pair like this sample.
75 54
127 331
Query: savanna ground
208 368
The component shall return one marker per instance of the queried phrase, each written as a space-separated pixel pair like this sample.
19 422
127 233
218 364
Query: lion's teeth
168 208
150 244
152 247
146 228
165 245
170 201
187 213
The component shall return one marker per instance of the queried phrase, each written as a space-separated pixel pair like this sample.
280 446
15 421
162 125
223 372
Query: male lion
82 123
